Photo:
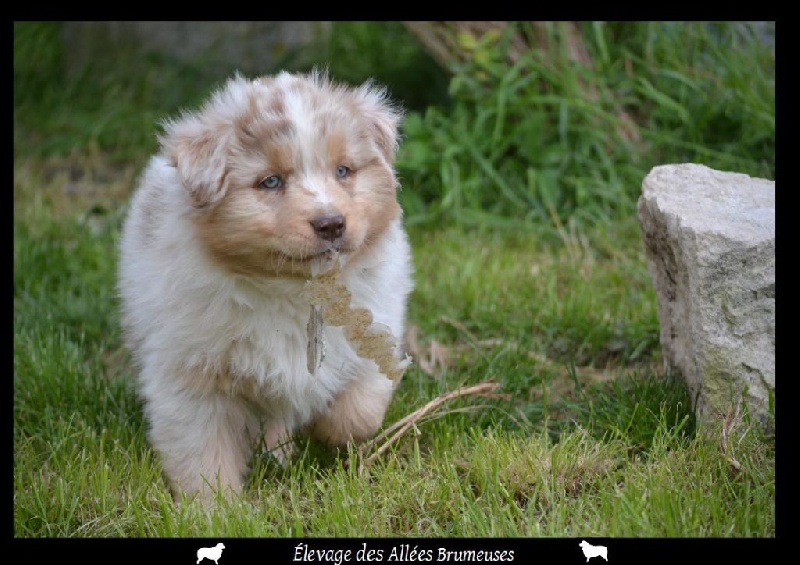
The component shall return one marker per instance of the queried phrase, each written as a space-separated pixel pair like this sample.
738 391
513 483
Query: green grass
530 273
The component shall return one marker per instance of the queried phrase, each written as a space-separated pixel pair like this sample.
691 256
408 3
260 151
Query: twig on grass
394 432
728 426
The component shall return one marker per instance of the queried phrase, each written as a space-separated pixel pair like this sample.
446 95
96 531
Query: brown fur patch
258 133
336 146
279 160
275 105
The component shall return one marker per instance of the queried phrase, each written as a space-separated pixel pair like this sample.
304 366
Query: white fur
222 357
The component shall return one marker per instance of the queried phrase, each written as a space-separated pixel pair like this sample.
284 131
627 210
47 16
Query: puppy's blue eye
342 171
271 182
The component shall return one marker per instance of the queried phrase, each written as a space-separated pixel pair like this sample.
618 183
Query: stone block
710 243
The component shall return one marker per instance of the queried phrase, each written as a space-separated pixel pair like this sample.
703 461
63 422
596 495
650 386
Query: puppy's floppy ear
200 155
384 117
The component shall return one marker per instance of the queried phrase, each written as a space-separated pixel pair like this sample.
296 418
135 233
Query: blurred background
509 122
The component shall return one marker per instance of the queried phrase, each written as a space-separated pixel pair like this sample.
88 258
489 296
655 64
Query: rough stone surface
710 243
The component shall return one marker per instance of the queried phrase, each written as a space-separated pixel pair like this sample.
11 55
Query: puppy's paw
356 414
204 442
280 443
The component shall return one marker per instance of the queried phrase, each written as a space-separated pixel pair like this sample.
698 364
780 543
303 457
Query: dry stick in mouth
400 427
330 301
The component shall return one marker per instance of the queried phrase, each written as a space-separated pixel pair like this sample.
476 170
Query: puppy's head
279 170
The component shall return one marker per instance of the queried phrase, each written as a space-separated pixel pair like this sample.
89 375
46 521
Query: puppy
230 215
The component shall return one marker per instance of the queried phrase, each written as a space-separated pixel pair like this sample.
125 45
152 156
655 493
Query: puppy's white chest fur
260 338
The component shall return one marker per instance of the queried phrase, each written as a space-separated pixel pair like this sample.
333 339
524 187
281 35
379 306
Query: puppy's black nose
329 226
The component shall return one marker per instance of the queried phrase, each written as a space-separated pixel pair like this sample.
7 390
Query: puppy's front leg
279 442
204 440
357 412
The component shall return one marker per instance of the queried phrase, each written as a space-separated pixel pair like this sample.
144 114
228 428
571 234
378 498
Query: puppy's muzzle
329 227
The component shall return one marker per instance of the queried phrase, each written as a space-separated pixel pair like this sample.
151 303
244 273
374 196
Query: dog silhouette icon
210 553
590 550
